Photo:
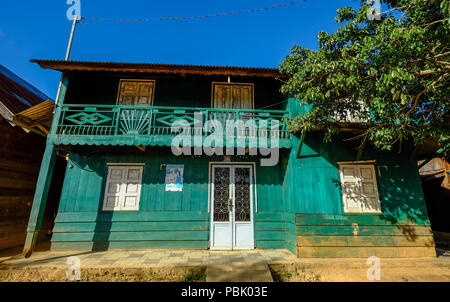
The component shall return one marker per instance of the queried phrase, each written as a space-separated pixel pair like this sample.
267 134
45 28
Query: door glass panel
221 194
242 196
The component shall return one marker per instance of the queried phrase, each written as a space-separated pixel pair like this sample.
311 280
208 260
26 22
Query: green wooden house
129 186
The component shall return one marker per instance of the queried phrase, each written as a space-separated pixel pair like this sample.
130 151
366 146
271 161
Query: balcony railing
117 121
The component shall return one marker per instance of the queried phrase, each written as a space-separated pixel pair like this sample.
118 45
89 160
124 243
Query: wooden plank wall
130 230
357 236
20 157
164 219
322 229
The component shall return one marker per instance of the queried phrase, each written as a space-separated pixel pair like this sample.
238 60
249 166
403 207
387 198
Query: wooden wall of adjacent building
20 156
20 160
435 176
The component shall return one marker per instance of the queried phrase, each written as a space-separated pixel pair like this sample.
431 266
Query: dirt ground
300 272
178 274
292 273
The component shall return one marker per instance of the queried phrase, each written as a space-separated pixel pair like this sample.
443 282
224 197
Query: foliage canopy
392 74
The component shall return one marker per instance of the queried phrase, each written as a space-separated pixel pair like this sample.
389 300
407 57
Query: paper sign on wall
174 177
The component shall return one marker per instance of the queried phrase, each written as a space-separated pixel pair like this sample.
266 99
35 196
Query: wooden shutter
139 93
127 93
370 201
223 96
123 187
132 188
350 188
232 96
242 96
359 189
145 94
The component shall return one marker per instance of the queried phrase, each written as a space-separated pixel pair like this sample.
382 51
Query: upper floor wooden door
136 92
232 95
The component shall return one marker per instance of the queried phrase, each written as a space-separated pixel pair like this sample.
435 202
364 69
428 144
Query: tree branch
416 99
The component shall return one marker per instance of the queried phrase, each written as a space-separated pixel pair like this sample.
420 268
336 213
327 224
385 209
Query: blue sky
40 29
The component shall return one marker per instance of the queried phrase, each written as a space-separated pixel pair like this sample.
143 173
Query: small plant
287 274
199 276
151 273
405 279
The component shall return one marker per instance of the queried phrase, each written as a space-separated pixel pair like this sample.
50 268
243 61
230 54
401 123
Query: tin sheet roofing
17 94
157 68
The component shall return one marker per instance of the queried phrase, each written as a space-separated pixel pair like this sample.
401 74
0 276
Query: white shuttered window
359 189
123 188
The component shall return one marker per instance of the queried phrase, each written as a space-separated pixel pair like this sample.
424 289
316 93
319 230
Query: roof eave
158 68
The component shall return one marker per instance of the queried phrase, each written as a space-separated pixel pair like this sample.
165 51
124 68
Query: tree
391 73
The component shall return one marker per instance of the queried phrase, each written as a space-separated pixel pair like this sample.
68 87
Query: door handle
229 205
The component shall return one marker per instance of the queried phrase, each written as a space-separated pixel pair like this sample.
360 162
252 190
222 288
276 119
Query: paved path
137 259
245 265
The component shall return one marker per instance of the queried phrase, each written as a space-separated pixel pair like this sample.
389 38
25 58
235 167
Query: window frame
359 182
136 80
123 184
232 84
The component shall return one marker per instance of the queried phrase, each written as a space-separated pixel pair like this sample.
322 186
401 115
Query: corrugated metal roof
158 68
37 117
39 114
16 94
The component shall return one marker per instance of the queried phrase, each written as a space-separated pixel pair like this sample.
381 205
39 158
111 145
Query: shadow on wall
400 189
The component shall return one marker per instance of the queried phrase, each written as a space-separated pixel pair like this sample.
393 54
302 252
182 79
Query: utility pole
69 48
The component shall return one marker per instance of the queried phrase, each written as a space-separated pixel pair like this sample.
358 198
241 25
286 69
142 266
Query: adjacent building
22 145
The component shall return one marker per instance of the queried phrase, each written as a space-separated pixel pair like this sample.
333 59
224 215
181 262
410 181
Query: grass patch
196 275
292 273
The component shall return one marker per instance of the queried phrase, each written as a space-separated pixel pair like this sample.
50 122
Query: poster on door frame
174 178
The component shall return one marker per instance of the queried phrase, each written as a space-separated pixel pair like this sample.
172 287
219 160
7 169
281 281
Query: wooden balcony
142 125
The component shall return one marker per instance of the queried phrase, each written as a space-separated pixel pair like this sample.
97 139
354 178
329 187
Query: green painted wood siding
312 192
305 186
312 179
164 219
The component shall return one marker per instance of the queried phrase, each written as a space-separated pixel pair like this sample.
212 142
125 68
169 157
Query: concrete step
238 273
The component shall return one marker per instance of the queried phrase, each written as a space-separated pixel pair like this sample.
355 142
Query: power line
199 17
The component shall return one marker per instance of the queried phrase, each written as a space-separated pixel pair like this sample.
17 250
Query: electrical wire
272 105
198 17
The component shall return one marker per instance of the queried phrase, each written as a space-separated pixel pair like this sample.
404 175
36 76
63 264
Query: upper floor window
359 188
232 95
136 92
123 187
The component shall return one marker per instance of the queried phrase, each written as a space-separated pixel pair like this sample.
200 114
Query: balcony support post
40 199
44 178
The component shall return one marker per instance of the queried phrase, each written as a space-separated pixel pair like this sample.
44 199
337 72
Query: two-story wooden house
128 185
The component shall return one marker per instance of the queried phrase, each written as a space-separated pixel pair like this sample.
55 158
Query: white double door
232 207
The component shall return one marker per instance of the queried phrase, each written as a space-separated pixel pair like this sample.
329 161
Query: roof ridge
19 80
148 63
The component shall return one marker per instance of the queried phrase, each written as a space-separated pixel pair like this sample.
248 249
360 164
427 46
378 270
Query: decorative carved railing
110 120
